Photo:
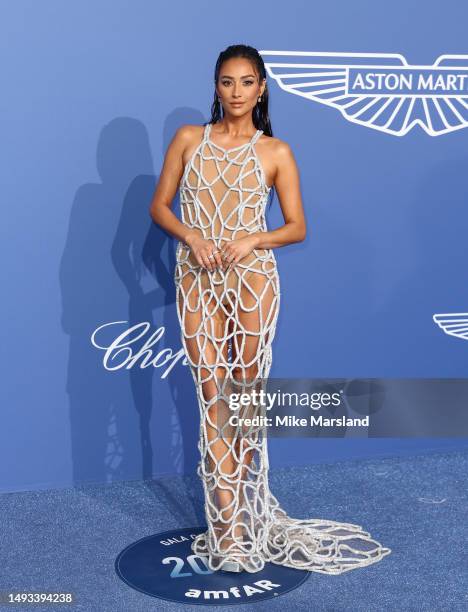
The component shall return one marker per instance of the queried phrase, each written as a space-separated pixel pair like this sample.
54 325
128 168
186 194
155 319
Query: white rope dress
228 320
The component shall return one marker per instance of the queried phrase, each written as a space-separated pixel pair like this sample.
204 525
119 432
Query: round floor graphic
163 565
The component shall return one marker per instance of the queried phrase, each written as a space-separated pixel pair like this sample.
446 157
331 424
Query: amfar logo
379 90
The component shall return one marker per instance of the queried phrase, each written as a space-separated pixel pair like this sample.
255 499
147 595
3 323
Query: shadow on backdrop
111 235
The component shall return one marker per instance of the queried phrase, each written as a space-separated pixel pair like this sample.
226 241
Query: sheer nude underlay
228 321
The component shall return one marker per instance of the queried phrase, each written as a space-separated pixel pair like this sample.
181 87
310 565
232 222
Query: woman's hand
235 250
202 249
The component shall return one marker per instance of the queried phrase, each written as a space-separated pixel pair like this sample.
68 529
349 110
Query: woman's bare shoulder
187 133
277 147
274 154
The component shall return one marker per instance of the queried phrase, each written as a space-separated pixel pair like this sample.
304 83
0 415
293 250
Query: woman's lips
237 103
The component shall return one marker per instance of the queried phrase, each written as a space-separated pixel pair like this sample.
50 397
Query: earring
259 99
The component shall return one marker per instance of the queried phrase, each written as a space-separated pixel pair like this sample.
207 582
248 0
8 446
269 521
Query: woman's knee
241 373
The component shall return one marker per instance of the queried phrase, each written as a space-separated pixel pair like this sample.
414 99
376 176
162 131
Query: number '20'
192 560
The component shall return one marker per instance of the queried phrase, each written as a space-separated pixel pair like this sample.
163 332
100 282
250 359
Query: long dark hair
260 116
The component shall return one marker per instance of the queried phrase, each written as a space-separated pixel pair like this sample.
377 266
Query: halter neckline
250 142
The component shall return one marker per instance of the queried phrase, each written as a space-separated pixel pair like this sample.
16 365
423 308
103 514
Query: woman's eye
227 83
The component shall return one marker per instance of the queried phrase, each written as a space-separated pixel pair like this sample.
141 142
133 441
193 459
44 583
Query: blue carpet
68 540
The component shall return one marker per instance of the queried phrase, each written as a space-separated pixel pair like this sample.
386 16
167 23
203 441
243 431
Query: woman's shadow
111 232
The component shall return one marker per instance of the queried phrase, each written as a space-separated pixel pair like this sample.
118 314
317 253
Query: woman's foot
231 566
230 563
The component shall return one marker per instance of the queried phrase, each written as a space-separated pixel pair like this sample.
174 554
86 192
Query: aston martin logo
379 90
453 323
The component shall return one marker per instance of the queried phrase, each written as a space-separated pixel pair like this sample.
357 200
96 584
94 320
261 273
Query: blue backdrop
92 95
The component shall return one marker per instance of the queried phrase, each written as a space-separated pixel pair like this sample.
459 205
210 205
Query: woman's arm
169 179
160 210
287 185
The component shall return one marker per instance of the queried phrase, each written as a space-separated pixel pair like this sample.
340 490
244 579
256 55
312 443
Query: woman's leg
205 327
256 314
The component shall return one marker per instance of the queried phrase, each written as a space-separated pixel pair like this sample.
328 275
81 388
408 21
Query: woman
228 297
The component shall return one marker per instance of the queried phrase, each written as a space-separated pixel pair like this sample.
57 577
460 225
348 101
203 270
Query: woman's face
238 86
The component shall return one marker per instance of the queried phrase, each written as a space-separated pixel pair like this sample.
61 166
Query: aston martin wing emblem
453 324
378 90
